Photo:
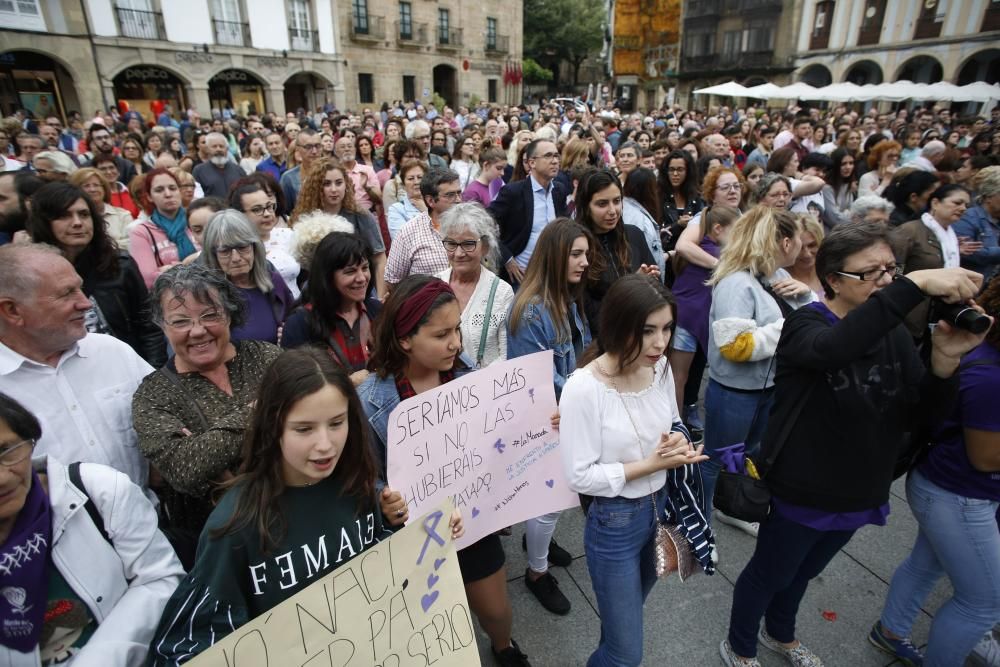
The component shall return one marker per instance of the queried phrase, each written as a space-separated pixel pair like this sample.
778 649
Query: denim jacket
978 226
537 333
379 398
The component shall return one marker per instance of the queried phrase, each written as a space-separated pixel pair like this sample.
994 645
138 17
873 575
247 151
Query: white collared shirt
544 212
84 404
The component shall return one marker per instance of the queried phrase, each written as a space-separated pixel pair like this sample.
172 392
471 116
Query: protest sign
485 440
399 604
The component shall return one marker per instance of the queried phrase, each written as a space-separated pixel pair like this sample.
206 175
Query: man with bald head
717 145
217 174
78 384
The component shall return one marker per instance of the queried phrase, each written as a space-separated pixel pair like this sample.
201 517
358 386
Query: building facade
876 41
254 55
413 49
747 41
644 50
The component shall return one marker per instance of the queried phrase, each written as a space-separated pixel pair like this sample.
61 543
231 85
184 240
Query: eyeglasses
466 246
546 156
211 319
11 455
226 251
311 148
261 209
874 275
732 187
454 195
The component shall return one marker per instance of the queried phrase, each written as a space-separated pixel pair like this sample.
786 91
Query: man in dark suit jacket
523 208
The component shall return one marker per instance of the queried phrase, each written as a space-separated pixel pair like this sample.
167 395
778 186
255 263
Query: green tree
535 73
557 31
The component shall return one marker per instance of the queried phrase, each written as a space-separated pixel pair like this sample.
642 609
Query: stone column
198 97
274 99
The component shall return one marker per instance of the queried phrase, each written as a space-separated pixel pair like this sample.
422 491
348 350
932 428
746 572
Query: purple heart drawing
438 563
475 512
550 483
427 600
431 580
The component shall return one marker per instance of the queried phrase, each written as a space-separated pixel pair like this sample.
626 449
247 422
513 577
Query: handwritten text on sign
399 604
486 441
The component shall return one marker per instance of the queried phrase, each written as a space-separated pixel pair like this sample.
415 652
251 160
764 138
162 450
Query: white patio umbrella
728 89
798 91
980 91
764 91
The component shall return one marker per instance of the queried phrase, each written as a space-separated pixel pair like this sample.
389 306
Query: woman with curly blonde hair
328 188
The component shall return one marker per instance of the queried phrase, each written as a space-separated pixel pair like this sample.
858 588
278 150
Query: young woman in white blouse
468 234
621 432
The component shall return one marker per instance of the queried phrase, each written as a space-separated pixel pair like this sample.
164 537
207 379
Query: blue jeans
787 556
619 542
728 416
958 536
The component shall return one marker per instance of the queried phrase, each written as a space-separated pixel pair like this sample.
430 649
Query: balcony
231 33
699 8
449 38
748 6
728 61
497 43
303 40
367 28
411 34
139 24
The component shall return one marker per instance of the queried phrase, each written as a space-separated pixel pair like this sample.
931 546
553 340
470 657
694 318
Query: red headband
414 309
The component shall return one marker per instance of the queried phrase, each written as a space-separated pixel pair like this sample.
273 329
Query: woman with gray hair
53 165
232 245
469 237
979 223
871 208
190 414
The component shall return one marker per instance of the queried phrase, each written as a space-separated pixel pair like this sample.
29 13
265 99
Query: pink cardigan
152 250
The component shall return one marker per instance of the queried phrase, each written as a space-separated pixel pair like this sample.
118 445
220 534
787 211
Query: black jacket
124 302
865 389
639 254
514 211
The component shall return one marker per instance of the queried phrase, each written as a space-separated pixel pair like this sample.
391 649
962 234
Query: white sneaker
750 529
986 653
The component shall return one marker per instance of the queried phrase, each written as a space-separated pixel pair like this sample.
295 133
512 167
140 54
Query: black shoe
546 589
511 656
557 555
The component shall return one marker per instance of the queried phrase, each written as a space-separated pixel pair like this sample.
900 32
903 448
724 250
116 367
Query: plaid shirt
416 249
348 345
405 389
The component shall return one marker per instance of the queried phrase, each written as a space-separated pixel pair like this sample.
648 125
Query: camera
960 315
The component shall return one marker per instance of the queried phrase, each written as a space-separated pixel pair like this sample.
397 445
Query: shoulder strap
786 430
95 516
486 322
176 381
156 249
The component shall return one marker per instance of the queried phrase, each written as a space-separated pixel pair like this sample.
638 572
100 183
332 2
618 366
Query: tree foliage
558 31
535 73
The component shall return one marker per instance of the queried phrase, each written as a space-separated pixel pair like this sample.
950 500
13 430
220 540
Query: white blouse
475 314
598 437
279 253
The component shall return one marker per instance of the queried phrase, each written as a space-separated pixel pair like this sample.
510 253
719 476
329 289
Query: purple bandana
23 574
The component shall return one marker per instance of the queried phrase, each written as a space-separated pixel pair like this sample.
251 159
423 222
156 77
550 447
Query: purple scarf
24 579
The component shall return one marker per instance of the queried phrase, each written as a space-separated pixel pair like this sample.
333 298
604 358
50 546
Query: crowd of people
205 324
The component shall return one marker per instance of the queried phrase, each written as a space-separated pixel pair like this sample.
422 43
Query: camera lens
964 317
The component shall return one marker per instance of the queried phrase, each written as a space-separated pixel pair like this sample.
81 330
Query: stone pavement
684 622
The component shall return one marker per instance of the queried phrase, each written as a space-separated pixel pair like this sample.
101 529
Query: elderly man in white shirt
79 385
930 155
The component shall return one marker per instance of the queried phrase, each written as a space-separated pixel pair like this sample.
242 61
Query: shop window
366 89
22 14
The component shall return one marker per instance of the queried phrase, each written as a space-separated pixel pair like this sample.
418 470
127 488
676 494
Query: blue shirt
544 211
977 225
269 166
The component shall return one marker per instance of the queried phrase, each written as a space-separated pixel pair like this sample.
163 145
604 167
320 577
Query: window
137 19
871 22
758 37
700 44
24 14
443 20
929 22
300 25
821 25
360 16
731 43
491 34
405 20
228 23
366 89
491 90
409 88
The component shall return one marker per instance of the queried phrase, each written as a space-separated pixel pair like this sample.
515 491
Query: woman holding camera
849 386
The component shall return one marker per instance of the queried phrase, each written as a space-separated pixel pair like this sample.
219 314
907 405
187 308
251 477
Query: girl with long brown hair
306 447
